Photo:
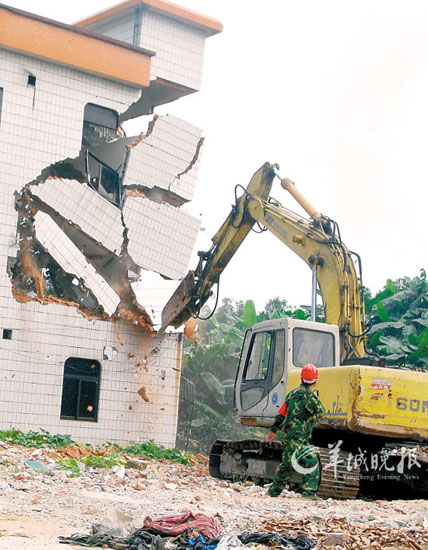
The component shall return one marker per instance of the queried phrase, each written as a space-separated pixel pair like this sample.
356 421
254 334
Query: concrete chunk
72 261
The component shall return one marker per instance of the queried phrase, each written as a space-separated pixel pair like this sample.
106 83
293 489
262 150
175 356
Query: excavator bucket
176 311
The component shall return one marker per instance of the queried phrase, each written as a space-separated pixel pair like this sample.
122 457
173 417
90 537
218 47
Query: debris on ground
47 491
188 536
339 532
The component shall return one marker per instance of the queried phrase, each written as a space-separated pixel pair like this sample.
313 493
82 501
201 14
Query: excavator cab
271 350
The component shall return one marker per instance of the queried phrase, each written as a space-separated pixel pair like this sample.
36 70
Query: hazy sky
336 93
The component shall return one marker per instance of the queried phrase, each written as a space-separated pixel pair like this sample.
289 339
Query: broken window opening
35 271
100 125
80 391
102 178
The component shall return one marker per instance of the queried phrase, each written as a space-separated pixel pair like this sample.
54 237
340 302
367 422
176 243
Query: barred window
80 389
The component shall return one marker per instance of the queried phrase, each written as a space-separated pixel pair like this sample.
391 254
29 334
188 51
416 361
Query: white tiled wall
167 158
179 47
32 366
39 126
95 215
161 237
120 27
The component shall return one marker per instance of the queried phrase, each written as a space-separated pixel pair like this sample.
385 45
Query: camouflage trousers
303 457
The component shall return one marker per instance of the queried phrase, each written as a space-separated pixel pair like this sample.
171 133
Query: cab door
261 371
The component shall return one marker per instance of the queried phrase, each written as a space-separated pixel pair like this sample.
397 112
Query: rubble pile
339 532
40 501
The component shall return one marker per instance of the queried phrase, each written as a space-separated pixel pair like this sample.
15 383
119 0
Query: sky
335 92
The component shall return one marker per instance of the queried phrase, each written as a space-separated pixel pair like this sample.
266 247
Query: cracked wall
94 235
103 240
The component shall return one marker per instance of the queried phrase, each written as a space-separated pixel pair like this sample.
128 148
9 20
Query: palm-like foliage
399 315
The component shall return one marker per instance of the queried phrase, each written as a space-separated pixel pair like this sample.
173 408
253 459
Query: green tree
211 367
399 315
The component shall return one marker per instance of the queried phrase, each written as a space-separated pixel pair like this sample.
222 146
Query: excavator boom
315 241
195 289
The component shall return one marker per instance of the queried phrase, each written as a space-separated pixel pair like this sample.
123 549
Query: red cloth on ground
180 523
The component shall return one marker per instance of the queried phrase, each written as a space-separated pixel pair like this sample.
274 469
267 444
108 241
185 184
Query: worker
296 418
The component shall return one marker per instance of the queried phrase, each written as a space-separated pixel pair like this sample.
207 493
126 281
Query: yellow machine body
372 400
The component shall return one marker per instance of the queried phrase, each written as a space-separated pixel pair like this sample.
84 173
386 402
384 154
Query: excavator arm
196 287
315 241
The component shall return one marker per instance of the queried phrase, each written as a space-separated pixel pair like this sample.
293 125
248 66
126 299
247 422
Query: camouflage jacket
303 407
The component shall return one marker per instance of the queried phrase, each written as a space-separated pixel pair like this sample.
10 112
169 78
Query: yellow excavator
374 437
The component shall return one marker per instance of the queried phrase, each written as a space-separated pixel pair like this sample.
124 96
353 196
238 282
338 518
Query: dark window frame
98 115
70 377
250 351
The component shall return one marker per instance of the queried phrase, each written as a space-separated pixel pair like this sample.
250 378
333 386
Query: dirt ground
38 507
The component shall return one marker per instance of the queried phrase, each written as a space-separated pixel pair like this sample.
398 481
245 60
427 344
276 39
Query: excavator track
337 482
258 460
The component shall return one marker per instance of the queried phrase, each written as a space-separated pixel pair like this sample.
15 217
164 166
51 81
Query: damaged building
96 226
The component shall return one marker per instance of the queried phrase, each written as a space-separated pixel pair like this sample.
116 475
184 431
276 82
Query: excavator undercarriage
256 460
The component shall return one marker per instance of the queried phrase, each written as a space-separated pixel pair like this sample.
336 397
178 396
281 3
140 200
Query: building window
80 389
100 125
7 334
102 178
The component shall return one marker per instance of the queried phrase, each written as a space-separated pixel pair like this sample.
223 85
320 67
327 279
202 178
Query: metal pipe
290 186
314 293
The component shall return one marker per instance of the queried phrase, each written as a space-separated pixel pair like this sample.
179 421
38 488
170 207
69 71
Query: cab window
258 360
313 346
279 358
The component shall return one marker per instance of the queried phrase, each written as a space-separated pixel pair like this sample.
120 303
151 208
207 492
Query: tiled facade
94 214
74 230
165 242
179 47
167 158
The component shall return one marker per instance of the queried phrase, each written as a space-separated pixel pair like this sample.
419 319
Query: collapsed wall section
85 208
104 228
167 157
165 242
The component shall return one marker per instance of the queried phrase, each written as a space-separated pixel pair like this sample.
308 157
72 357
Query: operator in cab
296 418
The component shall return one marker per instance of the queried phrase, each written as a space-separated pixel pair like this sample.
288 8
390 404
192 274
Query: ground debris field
39 504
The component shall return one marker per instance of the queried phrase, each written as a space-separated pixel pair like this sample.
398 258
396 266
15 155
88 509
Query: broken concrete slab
161 237
72 261
84 207
153 291
167 156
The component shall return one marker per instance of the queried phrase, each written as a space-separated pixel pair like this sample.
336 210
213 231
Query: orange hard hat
309 373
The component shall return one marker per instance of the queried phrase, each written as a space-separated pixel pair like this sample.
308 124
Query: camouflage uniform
303 408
